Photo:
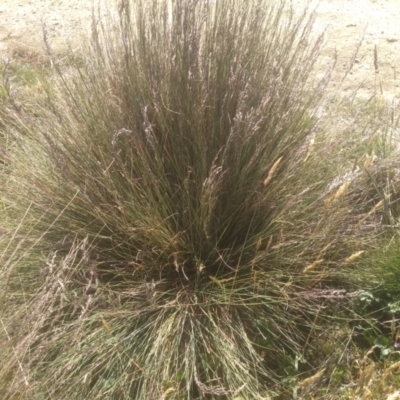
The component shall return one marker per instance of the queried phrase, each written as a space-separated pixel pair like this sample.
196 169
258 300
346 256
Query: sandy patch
21 26
378 21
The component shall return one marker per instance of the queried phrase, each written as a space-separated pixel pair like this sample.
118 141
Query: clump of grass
170 230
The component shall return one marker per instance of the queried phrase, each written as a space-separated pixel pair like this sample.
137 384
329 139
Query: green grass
177 217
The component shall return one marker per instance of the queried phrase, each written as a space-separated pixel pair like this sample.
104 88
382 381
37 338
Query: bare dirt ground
345 21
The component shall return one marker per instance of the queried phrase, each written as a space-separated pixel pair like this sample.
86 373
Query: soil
374 68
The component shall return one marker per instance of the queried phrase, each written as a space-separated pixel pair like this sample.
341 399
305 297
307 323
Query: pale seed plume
271 171
342 190
378 205
353 257
310 267
312 379
105 325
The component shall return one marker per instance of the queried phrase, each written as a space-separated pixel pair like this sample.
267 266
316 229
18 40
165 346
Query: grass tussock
173 225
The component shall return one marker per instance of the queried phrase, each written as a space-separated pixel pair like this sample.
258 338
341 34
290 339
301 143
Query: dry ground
378 23
345 21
